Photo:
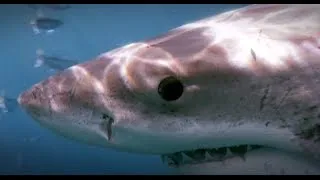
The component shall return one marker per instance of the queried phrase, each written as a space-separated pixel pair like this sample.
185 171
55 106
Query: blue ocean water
88 30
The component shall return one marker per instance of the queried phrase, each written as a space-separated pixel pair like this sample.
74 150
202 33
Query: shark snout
30 97
23 98
34 101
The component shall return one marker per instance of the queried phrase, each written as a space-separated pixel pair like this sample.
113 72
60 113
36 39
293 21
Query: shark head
219 87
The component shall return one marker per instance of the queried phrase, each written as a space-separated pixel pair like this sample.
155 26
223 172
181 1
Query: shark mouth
207 155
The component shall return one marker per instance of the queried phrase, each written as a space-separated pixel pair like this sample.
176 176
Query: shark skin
250 78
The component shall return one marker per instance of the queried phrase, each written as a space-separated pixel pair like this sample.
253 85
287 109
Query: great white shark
235 93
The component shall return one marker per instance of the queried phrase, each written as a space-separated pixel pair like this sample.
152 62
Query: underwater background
87 31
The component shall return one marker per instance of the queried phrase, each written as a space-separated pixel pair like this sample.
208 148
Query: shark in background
55 7
45 24
53 62
235 93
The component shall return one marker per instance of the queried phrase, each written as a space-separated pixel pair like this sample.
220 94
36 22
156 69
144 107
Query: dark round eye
170 88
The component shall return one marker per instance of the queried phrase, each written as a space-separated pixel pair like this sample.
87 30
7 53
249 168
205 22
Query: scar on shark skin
264 97
312 132
278 107
309 130
283 98
253 54
312 108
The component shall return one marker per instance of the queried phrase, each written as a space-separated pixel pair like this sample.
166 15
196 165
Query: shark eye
170 88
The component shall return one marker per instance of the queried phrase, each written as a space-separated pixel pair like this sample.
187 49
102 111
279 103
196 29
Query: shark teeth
206 155
186 158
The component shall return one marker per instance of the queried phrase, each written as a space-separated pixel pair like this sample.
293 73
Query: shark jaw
263 151
207 155
223 158
191 146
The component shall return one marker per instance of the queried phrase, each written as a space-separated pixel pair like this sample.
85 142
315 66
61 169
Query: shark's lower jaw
199 156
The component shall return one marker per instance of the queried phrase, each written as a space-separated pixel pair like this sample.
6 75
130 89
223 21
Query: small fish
7 104
57 7
34 6
54 63
46 24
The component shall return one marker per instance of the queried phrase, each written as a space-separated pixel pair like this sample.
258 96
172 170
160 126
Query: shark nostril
34 95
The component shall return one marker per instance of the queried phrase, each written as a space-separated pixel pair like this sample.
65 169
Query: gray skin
250 77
